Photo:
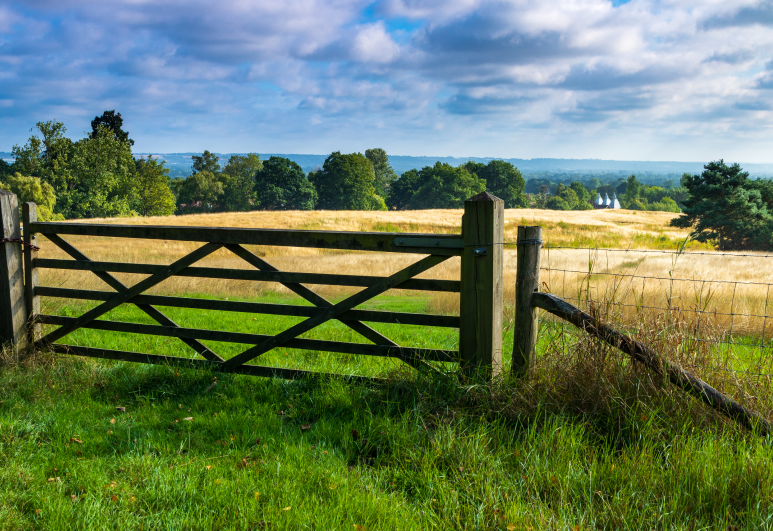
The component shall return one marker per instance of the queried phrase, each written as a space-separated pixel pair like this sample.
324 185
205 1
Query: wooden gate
480 288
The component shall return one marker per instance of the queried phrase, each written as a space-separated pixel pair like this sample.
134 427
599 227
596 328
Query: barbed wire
699 281
549 247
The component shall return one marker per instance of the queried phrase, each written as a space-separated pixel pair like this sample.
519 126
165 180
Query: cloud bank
678 79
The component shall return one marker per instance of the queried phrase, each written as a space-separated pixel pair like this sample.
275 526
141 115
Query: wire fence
708 309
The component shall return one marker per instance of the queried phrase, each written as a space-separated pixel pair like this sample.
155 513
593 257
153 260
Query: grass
589 442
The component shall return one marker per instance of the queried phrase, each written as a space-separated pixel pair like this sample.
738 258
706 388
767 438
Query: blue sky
687 80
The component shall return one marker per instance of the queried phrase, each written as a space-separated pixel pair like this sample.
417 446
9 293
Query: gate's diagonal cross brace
126 296
154 313
377 288
317 300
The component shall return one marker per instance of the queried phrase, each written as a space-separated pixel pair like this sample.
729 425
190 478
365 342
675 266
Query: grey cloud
761 14
732 58
466 105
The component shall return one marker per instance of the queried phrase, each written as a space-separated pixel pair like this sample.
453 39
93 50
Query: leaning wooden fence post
30 215
529 245
480 333
13 318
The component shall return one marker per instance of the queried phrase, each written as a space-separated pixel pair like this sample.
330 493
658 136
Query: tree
542 198
346 183
281 185
239 182
403 189
504 181
568 195
48 158
583 195
154 197
557 203
201 191
206 162
113 121
632 189
384 173
33 189
445 186
102 178
725 206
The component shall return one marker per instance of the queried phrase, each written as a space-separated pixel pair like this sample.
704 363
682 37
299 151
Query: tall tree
504 181
103 170
632 189
346 183
202 191
281 185
205 162
445 186
48 158
384 173
239 173
113 121
154 197
725 206
403 189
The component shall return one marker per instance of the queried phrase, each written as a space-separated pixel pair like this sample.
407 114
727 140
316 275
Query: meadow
589 441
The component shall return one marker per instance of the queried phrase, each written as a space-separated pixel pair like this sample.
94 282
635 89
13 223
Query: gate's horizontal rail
254 339
373 316
419 284
252 370
438 244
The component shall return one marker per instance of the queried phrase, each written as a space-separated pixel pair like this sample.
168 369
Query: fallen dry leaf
189 419
112 421
287 508
305 427
510 527
75 440
114 498
55 480
74 498
38 511
208 467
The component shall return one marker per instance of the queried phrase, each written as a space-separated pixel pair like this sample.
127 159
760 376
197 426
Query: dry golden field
615 275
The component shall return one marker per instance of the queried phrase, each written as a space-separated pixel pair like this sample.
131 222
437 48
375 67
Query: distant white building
607 202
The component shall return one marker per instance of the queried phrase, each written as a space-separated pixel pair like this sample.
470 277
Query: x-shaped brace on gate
125 295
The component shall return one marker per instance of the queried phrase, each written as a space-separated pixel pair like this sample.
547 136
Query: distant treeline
97 176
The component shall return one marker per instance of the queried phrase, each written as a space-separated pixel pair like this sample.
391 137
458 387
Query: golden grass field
604 229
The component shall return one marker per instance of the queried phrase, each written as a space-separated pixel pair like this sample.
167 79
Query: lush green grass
416 452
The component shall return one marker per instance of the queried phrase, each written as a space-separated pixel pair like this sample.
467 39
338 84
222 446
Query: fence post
30 215
480 333
529 244
13 319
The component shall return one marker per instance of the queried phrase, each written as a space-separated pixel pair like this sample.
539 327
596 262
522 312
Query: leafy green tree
583 195
48 158
542 197
5 170
727 207
557 203
504 181
383 171
346 183
445 186
403 189
281 185
205 162
632 189
154 196
202 191
113 121
239 182
665 205
568 195
33 189
102 178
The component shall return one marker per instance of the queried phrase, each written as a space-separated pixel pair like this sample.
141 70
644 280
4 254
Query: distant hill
179 165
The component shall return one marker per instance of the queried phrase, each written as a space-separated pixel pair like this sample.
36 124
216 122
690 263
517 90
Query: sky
685 80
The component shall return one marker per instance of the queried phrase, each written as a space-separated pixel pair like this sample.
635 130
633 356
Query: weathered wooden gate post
30 215
480 333
529 245
13 311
